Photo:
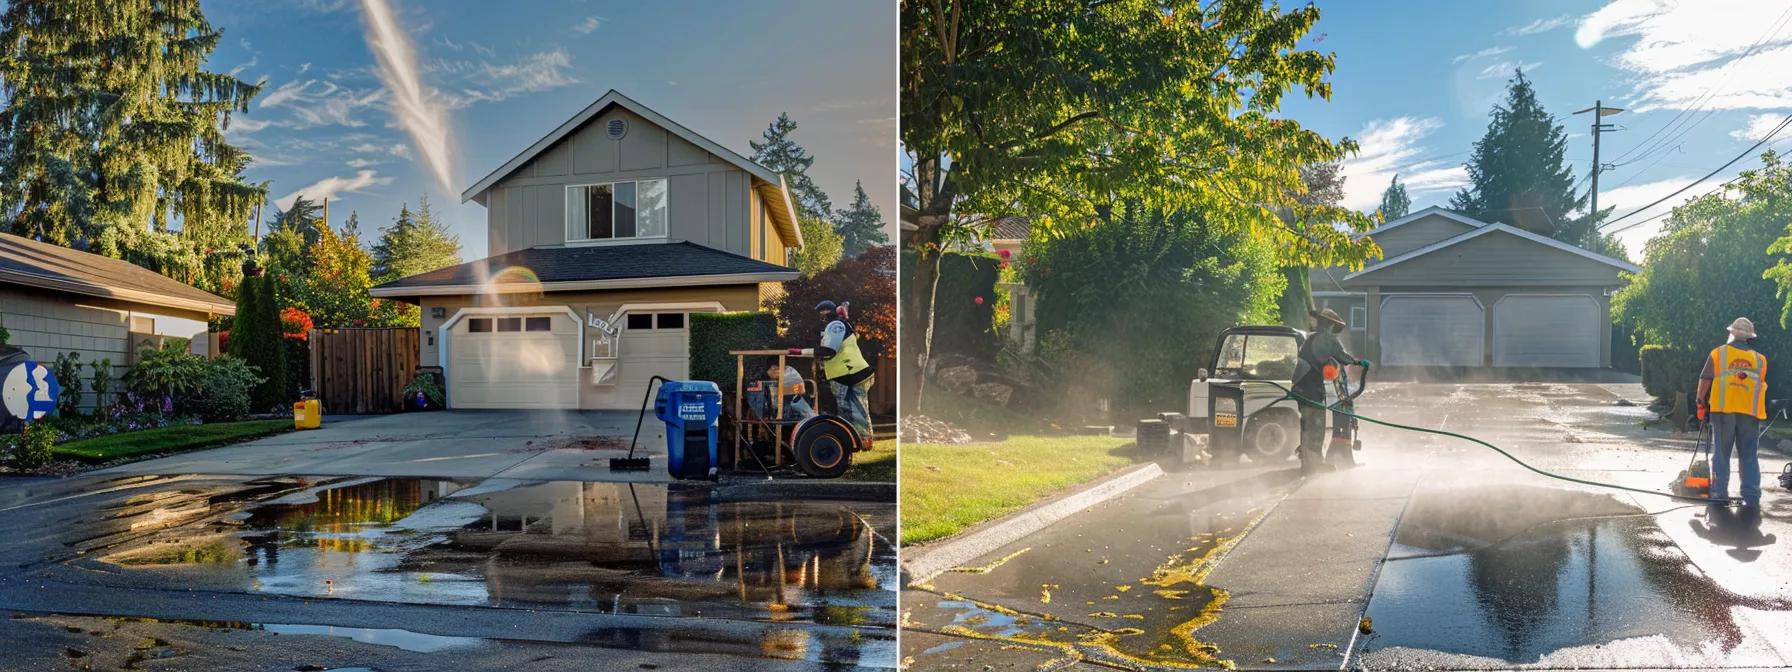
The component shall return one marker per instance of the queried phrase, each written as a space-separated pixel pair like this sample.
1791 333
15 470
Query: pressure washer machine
1695 479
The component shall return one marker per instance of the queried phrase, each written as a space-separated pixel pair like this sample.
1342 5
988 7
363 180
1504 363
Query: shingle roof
24 261
1013 228
586 263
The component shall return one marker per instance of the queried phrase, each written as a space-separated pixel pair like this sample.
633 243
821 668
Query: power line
1727 164
1652 218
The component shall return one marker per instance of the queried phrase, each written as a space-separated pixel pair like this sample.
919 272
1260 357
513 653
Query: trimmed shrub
167 374
224 388
31 448
962 325
256 337
714 334
67 370
1668 370
101 383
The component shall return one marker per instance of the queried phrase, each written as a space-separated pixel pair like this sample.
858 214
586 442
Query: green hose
1289 394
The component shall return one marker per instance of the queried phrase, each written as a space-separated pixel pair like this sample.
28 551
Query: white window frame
583 237
1359 317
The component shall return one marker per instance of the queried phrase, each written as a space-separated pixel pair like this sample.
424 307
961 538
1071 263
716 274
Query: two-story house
603 237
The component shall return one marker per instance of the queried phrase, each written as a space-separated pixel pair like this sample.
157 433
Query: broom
632 463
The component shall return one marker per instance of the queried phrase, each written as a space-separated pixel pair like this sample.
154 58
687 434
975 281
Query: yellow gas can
307 414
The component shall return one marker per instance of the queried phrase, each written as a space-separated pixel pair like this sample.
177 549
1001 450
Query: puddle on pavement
1516 573
648 549
415 642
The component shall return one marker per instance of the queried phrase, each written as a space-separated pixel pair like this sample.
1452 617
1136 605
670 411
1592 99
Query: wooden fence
362 370
883 392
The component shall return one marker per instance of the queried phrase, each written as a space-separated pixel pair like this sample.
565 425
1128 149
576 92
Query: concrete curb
924 563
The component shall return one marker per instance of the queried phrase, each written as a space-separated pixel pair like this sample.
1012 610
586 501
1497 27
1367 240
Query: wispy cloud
1389 146
317 102
1484 53
1541 25
589 25
419 111
1718 54
1757 127
329 187
484 81
361 163
1630 197
399 150
1505 69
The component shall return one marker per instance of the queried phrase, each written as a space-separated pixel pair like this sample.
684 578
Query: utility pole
1600 111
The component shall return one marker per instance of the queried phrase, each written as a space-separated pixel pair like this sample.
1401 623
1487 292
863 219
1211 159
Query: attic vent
616 128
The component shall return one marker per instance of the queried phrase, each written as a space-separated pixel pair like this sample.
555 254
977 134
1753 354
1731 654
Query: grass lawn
947 488
877 464
169 439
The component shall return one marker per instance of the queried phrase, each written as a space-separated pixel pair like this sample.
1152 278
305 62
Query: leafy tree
1517 175
1109 296
335 292
112 133
304 217
1718 257
1054 109
861 226
255 338
775 150
821 246
867 281
1394 201
415 243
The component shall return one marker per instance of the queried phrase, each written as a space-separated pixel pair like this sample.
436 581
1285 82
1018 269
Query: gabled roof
1486 229
590 267
1421 214
31 263
766 180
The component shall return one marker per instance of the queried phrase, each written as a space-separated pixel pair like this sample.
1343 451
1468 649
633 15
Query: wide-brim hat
1742 328
1328 315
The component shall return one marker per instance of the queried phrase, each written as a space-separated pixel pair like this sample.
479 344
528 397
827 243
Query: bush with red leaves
867 281
295 323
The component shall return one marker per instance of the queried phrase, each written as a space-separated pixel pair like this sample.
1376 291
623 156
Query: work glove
1703 410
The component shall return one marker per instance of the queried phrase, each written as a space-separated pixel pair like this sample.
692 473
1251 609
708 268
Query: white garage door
1546 330
514 361
1432 330
653 344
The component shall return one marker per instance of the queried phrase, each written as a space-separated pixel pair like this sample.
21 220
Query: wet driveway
1458 558
408 572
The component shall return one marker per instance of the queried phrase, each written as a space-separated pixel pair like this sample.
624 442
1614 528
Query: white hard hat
1742 328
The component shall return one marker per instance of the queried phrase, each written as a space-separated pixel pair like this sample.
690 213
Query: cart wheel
823 447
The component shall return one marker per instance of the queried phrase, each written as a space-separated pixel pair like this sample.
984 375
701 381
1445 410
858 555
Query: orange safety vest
1739 382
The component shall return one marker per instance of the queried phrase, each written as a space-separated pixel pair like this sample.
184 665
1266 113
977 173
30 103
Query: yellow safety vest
846 359
1738 383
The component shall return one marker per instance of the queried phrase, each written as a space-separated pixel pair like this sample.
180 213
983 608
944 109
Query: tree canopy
415 243
822 245
1517 175
775 149
1394 201
860 225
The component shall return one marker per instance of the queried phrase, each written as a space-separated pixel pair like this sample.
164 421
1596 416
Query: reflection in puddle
644 549
404 639
1518 573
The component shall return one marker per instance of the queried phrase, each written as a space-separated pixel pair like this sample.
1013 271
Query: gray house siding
46 324
706 196
1416 234
1494 259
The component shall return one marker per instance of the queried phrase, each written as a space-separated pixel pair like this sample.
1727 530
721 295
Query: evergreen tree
255 337
1394 201
821 246
777 151
861 226
112 133
304 217
415 243
1517 175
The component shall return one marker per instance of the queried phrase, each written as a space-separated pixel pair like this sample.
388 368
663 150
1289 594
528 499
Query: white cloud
238 70
487 82
1630 197
1719 54
1757 127
418 109
398 149
1541 25
246 125
316 102
1490 51
1505 69
329 187
1389 146
361 163
589 25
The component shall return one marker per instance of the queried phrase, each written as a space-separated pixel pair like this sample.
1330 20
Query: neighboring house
1454 291
604 235
55 300
1008 235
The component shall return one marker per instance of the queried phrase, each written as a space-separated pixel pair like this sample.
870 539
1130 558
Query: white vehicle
1256 353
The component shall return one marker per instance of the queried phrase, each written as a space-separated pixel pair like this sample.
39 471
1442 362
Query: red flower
295 323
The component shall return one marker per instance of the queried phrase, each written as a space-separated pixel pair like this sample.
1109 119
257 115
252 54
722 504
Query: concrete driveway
530 445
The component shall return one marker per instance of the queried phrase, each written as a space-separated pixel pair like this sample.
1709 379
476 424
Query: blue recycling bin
692 411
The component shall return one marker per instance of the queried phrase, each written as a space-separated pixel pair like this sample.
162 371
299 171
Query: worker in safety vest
845 368
1733 396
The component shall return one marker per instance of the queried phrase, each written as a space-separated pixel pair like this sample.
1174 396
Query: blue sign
28 392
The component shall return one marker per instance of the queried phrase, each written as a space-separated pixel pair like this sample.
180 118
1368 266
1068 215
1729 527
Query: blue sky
377 102
1415 81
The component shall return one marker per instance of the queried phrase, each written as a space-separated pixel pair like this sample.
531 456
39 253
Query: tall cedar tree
112 133
1517 175
255 336
415 243
775 150
1394 201
821 246
860 225
1052 110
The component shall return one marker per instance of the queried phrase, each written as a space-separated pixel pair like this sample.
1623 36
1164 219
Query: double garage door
531 361
1532 330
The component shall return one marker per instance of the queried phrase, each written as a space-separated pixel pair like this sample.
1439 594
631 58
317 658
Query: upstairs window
616 210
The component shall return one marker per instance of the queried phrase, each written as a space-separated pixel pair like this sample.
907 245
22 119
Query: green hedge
1667 370
714 334
961 325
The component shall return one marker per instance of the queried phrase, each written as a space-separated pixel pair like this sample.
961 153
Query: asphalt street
1435 554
